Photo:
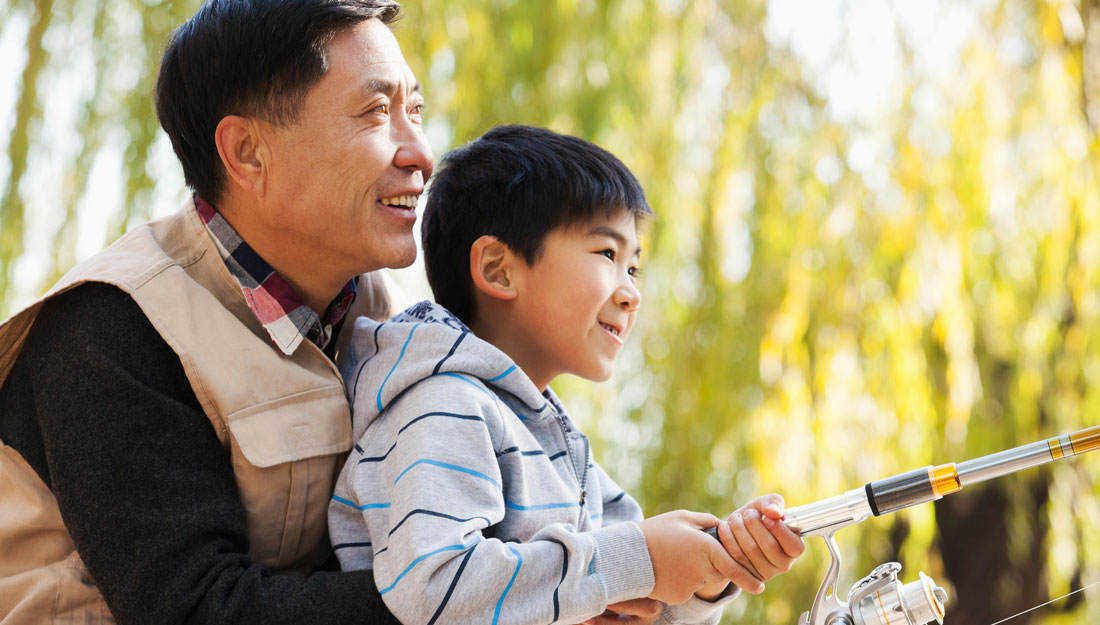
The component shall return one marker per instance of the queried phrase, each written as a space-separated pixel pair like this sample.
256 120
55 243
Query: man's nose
413 152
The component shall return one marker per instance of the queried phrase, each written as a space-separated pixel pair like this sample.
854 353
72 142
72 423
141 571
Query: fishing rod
879 598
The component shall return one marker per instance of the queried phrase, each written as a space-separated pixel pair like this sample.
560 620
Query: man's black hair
516 183
254 58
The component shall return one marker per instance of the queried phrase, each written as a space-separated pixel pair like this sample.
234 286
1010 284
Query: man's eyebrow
381 85
614 234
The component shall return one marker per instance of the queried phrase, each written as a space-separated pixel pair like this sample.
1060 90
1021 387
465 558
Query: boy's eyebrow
614 234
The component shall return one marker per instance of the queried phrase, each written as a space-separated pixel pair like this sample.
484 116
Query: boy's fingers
702 520
745 575
760 562
770 506
642 608
610 617
722 561
787 538
747 581
768 545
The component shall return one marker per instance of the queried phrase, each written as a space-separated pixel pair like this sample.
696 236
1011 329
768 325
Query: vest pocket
286 455
312 423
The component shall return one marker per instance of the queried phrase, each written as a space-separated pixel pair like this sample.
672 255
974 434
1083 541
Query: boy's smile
577 303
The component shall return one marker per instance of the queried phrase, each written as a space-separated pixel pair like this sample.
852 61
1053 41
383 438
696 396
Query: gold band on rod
945 479
1055 446
1085 440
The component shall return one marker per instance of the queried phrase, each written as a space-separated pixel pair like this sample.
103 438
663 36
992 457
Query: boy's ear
242 152
491 267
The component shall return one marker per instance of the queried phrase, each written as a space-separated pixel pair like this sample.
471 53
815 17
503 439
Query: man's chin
404 261
398 258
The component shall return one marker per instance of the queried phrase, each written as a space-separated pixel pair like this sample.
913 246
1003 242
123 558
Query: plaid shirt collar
276 304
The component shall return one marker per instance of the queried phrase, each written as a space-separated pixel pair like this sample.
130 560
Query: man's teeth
401 200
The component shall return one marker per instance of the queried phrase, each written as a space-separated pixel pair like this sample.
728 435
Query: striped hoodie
471 495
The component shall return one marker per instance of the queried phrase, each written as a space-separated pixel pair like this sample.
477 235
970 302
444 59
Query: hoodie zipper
582 475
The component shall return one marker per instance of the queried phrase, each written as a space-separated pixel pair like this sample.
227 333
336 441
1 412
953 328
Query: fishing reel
878 599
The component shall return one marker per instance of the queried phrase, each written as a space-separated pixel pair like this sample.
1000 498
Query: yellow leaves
909 166
1049 23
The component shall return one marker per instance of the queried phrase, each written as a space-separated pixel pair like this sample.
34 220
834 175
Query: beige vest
284 420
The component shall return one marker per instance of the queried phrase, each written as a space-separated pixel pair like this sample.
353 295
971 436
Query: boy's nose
628 297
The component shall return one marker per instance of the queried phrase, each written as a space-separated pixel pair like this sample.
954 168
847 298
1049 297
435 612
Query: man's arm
99 405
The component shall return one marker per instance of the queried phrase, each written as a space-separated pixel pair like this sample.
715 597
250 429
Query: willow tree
828 300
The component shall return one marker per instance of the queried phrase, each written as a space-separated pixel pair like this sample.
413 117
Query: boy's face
577 303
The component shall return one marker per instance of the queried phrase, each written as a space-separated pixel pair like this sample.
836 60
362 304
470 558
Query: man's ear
491 267
242 150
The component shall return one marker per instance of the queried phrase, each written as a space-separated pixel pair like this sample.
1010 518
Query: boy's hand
759 541
686 559
631 612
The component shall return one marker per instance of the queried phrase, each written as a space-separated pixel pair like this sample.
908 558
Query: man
171 419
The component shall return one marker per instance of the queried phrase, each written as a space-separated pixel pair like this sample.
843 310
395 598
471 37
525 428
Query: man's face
345 178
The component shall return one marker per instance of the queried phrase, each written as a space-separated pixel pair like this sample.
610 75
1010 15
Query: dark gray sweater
100 407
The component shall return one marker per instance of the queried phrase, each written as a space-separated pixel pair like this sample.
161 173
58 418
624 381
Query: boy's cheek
630 324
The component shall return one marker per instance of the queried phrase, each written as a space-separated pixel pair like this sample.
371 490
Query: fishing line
1047 603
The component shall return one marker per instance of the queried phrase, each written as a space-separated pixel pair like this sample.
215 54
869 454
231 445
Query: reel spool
878 599
882 598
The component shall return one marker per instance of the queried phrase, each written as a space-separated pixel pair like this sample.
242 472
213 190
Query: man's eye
382 109
417 110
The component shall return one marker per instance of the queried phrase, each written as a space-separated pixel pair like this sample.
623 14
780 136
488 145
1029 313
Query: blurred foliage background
877 244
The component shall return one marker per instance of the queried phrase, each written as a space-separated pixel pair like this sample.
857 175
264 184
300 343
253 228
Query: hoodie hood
385 359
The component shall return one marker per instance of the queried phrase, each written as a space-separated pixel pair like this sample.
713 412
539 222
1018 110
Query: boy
471 494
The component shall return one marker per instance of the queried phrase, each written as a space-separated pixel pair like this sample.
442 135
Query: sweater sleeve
427 490
620 507
617 505
144 486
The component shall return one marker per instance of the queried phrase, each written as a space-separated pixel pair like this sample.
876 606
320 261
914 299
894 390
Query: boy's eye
610 254
634 272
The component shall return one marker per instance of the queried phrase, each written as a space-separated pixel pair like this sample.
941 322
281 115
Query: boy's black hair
254 58
516 183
